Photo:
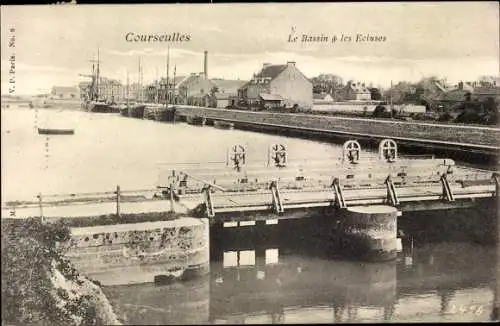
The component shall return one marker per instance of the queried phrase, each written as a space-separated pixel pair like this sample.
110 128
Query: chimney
290 63
205 65
461 85
265 65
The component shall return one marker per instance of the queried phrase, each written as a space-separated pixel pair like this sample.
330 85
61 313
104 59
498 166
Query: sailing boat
137 110
96 104
124 107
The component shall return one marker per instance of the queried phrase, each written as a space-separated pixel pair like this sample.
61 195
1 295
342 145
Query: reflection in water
257 279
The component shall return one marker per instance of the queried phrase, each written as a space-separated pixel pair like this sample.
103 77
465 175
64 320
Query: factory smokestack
205 65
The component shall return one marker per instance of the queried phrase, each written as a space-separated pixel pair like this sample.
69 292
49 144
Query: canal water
277 273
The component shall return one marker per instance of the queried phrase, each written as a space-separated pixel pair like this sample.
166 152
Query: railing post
447 193
277 204
208 202
339 196
118 195
172 210
496 179
392 196
40 205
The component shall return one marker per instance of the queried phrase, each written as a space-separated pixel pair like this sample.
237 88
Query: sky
54 44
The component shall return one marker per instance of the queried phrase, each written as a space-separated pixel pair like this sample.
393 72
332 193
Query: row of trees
401 92
442 104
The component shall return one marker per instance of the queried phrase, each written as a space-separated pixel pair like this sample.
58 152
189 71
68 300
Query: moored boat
167 114
153 111
102 107
195 120
55 131
137 111
223 125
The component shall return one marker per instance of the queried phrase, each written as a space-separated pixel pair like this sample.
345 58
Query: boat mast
173 84
128 90
168 75
97 78
392 90
138 94
93 85
142 83
156 85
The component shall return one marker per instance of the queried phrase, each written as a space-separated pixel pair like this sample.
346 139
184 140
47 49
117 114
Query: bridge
362 195
238 188
415 183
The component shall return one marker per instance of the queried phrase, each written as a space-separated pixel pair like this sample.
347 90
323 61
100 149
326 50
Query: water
270 281
108 150
259 274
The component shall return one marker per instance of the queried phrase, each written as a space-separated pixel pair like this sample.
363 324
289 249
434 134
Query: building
65 92
271 101
482 93
110 90
458 93
356 91
226 92
193 89
286 82
84 88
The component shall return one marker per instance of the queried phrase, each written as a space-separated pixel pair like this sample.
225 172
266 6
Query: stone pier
141 252
369 232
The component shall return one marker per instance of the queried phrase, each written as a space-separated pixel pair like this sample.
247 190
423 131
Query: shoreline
43 286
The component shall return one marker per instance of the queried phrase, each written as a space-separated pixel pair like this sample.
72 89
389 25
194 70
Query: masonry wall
142 251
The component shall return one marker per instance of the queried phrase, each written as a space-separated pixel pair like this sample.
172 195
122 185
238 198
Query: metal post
172 210
41 206
118 201
495 313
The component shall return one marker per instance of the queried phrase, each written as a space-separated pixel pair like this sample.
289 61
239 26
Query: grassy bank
39 286
113 219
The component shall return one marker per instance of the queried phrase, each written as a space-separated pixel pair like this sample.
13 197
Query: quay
361 197
415 135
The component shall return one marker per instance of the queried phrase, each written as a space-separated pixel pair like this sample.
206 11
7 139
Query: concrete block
138 252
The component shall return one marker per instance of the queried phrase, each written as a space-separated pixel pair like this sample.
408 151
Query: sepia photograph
250 163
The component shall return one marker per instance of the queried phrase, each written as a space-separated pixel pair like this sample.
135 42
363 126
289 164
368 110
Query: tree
327 83
398 92
376 95
214 90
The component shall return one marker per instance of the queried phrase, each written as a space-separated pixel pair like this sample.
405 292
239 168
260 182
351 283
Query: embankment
40 286
145 252
461 137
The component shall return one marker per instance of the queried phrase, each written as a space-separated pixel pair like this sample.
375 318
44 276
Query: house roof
358 87
485 90
187 81
177 80
270 97
454 95
271 71
228 86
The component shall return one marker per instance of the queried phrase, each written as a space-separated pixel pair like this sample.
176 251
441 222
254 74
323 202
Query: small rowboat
45 131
